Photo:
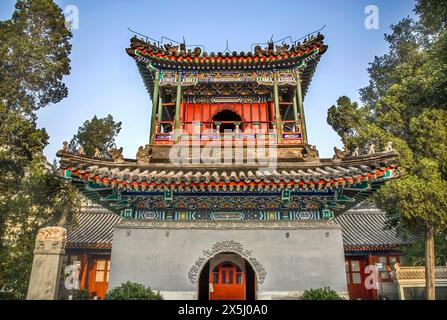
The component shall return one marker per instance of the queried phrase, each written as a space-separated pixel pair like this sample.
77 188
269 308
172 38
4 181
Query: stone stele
47 264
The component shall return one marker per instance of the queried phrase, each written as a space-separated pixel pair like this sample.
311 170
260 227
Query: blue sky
104 80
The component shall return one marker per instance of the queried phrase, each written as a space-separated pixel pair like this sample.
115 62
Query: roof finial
227 48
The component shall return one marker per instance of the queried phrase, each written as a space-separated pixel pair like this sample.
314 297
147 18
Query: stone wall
288 257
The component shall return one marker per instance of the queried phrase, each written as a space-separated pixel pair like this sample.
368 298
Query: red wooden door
355 276
227 282
99 278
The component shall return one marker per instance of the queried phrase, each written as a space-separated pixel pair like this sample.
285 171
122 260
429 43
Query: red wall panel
203 112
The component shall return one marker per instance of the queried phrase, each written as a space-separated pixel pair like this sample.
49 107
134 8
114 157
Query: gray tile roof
93 229
365 229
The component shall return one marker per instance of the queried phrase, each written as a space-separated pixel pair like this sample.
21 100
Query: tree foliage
433 15
97 133
414 252
406 102
34 58
41 199
417 199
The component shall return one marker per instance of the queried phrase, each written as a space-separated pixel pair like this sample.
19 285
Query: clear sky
105 80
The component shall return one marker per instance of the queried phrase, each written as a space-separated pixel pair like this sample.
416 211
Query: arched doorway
227 115
227 276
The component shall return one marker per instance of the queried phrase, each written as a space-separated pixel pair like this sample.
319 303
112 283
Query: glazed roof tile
418 273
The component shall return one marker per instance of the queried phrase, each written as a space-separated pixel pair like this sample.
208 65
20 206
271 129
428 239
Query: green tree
34 58
414 253
406 103
41 199
96 134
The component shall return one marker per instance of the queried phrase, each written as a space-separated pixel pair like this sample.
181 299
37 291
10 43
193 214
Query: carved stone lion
143 154
340 154
356 152
310 153
116 155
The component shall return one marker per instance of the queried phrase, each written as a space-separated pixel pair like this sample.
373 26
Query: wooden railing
214 130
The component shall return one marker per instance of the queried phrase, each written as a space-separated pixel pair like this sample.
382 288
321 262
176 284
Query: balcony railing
230 130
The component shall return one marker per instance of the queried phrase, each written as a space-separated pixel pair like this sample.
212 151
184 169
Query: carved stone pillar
46 271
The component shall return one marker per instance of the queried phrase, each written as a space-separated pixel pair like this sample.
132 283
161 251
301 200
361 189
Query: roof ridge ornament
356 152
340 154
371 149
227 49
116 155
66 147
143 155
310 153
98 154
389 147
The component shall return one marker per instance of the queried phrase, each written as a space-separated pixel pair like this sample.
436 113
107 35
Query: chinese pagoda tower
228 200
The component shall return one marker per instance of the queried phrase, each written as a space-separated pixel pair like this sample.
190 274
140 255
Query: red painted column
271 111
